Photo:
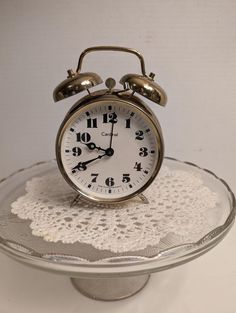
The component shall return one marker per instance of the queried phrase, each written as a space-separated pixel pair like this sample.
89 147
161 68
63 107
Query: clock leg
110 289
143 198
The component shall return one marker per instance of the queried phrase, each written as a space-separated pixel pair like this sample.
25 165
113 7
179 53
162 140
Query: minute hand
82 165
112 128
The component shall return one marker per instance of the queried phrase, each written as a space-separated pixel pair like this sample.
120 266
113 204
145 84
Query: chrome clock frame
103 96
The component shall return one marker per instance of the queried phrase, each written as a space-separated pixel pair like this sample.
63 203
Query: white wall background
189 44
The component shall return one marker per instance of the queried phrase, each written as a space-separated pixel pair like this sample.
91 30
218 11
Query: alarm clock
110 146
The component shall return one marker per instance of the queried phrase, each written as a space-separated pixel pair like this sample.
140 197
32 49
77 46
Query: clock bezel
102 96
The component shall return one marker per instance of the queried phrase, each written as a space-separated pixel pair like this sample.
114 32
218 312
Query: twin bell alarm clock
110 147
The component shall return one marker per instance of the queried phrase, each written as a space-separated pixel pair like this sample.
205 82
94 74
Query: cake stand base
203 211
110 289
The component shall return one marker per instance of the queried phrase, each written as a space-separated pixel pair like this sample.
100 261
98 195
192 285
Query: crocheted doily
179 203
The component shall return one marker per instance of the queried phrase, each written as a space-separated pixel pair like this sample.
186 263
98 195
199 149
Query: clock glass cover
109 150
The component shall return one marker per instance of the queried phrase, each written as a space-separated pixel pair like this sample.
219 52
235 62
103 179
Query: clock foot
110 289
143 198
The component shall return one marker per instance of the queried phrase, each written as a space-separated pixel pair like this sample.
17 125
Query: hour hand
92 146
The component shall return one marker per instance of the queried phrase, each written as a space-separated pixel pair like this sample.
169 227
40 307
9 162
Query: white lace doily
178 203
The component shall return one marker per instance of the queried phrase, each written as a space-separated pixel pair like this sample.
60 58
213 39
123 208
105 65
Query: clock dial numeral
92 123
113 118
83 137
110 118
81 167
127 123
76 151
126 178
105 118
110 181
139 135
137 166
143 152
95 176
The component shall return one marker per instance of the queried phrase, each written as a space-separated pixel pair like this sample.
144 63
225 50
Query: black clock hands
82 166
109 151
92 146
111 134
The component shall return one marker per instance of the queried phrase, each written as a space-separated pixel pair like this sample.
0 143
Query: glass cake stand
102 274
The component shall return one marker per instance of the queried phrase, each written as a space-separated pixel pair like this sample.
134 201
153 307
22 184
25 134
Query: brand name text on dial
108 134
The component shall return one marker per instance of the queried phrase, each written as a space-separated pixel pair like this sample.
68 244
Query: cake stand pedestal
99 274
110 289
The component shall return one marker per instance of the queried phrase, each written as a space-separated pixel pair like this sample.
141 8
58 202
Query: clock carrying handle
111 48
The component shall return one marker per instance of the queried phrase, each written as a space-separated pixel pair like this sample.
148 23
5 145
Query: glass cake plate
107 274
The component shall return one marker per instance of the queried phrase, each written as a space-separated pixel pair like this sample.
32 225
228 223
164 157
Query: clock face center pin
109 152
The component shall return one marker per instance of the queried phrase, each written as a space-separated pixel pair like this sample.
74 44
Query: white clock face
109 150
